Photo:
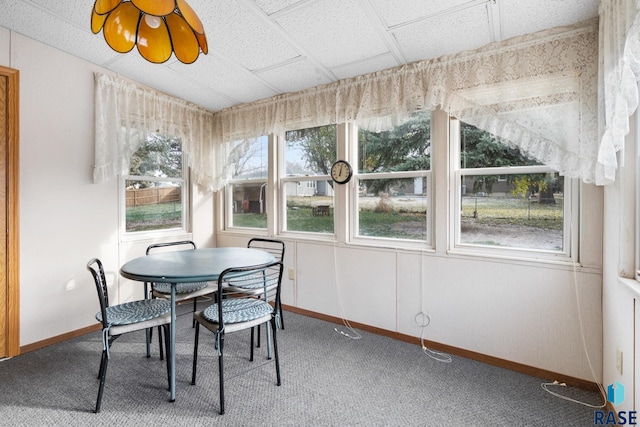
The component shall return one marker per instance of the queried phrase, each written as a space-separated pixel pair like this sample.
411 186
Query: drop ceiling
261 48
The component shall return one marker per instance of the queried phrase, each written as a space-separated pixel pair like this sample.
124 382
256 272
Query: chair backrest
266 275
97 271
151 248
273 246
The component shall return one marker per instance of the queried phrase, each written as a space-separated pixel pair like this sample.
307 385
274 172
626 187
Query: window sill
561 263
632 286
155 235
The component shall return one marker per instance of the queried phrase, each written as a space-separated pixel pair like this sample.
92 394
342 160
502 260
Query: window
508 200
637 195
306 187
247 191
394 181
154 191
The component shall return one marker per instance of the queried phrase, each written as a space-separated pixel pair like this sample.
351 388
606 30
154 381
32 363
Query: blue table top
196 265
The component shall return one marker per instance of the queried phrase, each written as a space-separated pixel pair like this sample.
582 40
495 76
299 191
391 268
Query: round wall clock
341 172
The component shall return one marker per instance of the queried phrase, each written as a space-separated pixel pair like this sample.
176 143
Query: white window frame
637 194
354 237
185 200
392 241
570 209
228 203
637 215
227 195
283 179
282 195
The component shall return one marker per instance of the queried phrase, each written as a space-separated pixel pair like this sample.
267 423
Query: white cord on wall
423 320
546 386
354 334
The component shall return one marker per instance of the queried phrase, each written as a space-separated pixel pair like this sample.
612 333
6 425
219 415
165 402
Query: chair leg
258 343
221 373
275 350
280 313
195 354
195 307
160 341
102 375
268 334
168 351
252 341
104 355
149 334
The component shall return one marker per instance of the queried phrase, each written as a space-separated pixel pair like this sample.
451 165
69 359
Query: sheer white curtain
125 112
620 61
538 92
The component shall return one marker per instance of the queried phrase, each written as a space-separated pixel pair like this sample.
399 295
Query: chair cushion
181 288
135 311
236 310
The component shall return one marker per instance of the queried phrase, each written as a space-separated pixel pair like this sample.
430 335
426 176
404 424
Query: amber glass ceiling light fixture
156 27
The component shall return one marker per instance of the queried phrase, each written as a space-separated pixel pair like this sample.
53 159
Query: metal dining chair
184 291
231 314
276 248
120 319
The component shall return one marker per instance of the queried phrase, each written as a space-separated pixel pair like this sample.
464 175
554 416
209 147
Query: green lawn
509 211
398 225
159 216
395 223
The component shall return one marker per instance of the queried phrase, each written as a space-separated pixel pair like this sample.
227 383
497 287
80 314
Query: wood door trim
12 207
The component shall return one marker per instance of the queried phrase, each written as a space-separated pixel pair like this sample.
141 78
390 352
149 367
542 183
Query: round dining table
194 265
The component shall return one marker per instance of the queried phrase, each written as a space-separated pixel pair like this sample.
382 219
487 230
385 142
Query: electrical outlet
292 274
619 360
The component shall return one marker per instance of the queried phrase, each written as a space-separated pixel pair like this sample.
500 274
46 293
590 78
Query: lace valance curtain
124 113
620 58
538 92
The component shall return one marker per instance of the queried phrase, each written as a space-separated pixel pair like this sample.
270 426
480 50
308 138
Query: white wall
5 43
620 324
65 219
516 311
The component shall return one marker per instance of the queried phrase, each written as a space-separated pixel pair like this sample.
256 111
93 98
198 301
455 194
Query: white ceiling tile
161 78
239 35
70 11
204 97
528 17
272 6
224 78
335 32
369 65
290 44
56 32
294 76
443 35
398 12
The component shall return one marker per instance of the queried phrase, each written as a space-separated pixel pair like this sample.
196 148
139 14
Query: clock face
341 172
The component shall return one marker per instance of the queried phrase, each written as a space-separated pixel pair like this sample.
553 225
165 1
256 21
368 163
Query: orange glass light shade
156 27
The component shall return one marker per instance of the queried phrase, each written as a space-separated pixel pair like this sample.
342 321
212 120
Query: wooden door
9 255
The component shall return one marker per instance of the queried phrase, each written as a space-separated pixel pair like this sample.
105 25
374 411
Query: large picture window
394 181
155 191
507 200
